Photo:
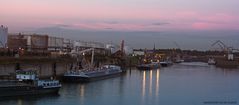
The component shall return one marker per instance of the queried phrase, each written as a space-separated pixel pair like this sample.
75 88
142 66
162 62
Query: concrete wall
45 70
7 69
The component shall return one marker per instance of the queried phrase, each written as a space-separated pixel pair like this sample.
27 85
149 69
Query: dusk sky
122 15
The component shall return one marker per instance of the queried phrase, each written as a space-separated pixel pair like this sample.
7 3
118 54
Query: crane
221 45
175 43
82 52
225 49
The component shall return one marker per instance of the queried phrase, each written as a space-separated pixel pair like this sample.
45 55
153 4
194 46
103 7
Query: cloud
108 28
60 25
111 25
160 23
111 22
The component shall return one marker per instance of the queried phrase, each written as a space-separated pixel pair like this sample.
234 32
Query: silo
3 36
128 50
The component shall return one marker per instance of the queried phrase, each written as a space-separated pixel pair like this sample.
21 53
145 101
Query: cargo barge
104 72
27 83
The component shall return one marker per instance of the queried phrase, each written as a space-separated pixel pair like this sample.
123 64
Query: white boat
178 60
211 61
166 63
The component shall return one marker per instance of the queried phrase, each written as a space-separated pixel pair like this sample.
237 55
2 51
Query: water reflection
82 90
180 84
82 93
29 100
150 83
143 83
157 83
19 102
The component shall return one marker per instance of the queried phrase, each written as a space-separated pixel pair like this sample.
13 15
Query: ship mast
92 58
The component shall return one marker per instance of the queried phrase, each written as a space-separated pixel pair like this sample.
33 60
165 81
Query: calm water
180 84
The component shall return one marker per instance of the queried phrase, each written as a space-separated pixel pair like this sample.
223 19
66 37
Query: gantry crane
82 52
225 49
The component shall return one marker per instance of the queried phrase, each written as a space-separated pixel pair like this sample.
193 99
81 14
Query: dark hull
166 64
152 67
89 79
26 90
143 68
211 63
227 64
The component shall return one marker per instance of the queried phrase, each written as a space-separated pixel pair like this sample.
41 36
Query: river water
180 84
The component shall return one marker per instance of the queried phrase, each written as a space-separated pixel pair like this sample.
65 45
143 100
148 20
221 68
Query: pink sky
130 15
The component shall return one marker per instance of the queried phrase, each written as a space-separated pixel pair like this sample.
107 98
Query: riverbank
183 84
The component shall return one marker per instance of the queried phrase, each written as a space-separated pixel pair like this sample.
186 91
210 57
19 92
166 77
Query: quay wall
45 69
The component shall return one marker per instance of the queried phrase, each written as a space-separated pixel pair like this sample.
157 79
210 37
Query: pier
56 63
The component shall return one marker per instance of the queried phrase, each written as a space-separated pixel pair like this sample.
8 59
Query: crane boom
177 45
79 53
221 44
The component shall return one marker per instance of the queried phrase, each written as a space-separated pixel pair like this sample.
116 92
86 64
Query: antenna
176 45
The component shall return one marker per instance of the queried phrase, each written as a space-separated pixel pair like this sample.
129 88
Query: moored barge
27 83
104 72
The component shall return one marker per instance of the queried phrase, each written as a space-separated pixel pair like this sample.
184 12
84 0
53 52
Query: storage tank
3 36
113 48
76 44
16 42
55 42
67 43
39 41
128 50
230 57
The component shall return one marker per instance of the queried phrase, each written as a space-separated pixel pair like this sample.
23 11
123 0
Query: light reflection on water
157 83
180 84
143 84
150 83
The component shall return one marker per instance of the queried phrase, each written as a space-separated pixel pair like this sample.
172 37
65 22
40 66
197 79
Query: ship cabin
26 75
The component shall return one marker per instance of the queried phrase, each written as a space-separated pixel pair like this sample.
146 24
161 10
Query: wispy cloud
113 25
160 23
111 22
63 25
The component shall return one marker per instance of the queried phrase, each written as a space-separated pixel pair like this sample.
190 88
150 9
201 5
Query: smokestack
154 47
122 47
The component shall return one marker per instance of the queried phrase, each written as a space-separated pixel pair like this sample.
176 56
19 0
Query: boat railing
49 83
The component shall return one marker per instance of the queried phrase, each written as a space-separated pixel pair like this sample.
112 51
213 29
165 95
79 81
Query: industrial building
35 43
3 36
28 42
